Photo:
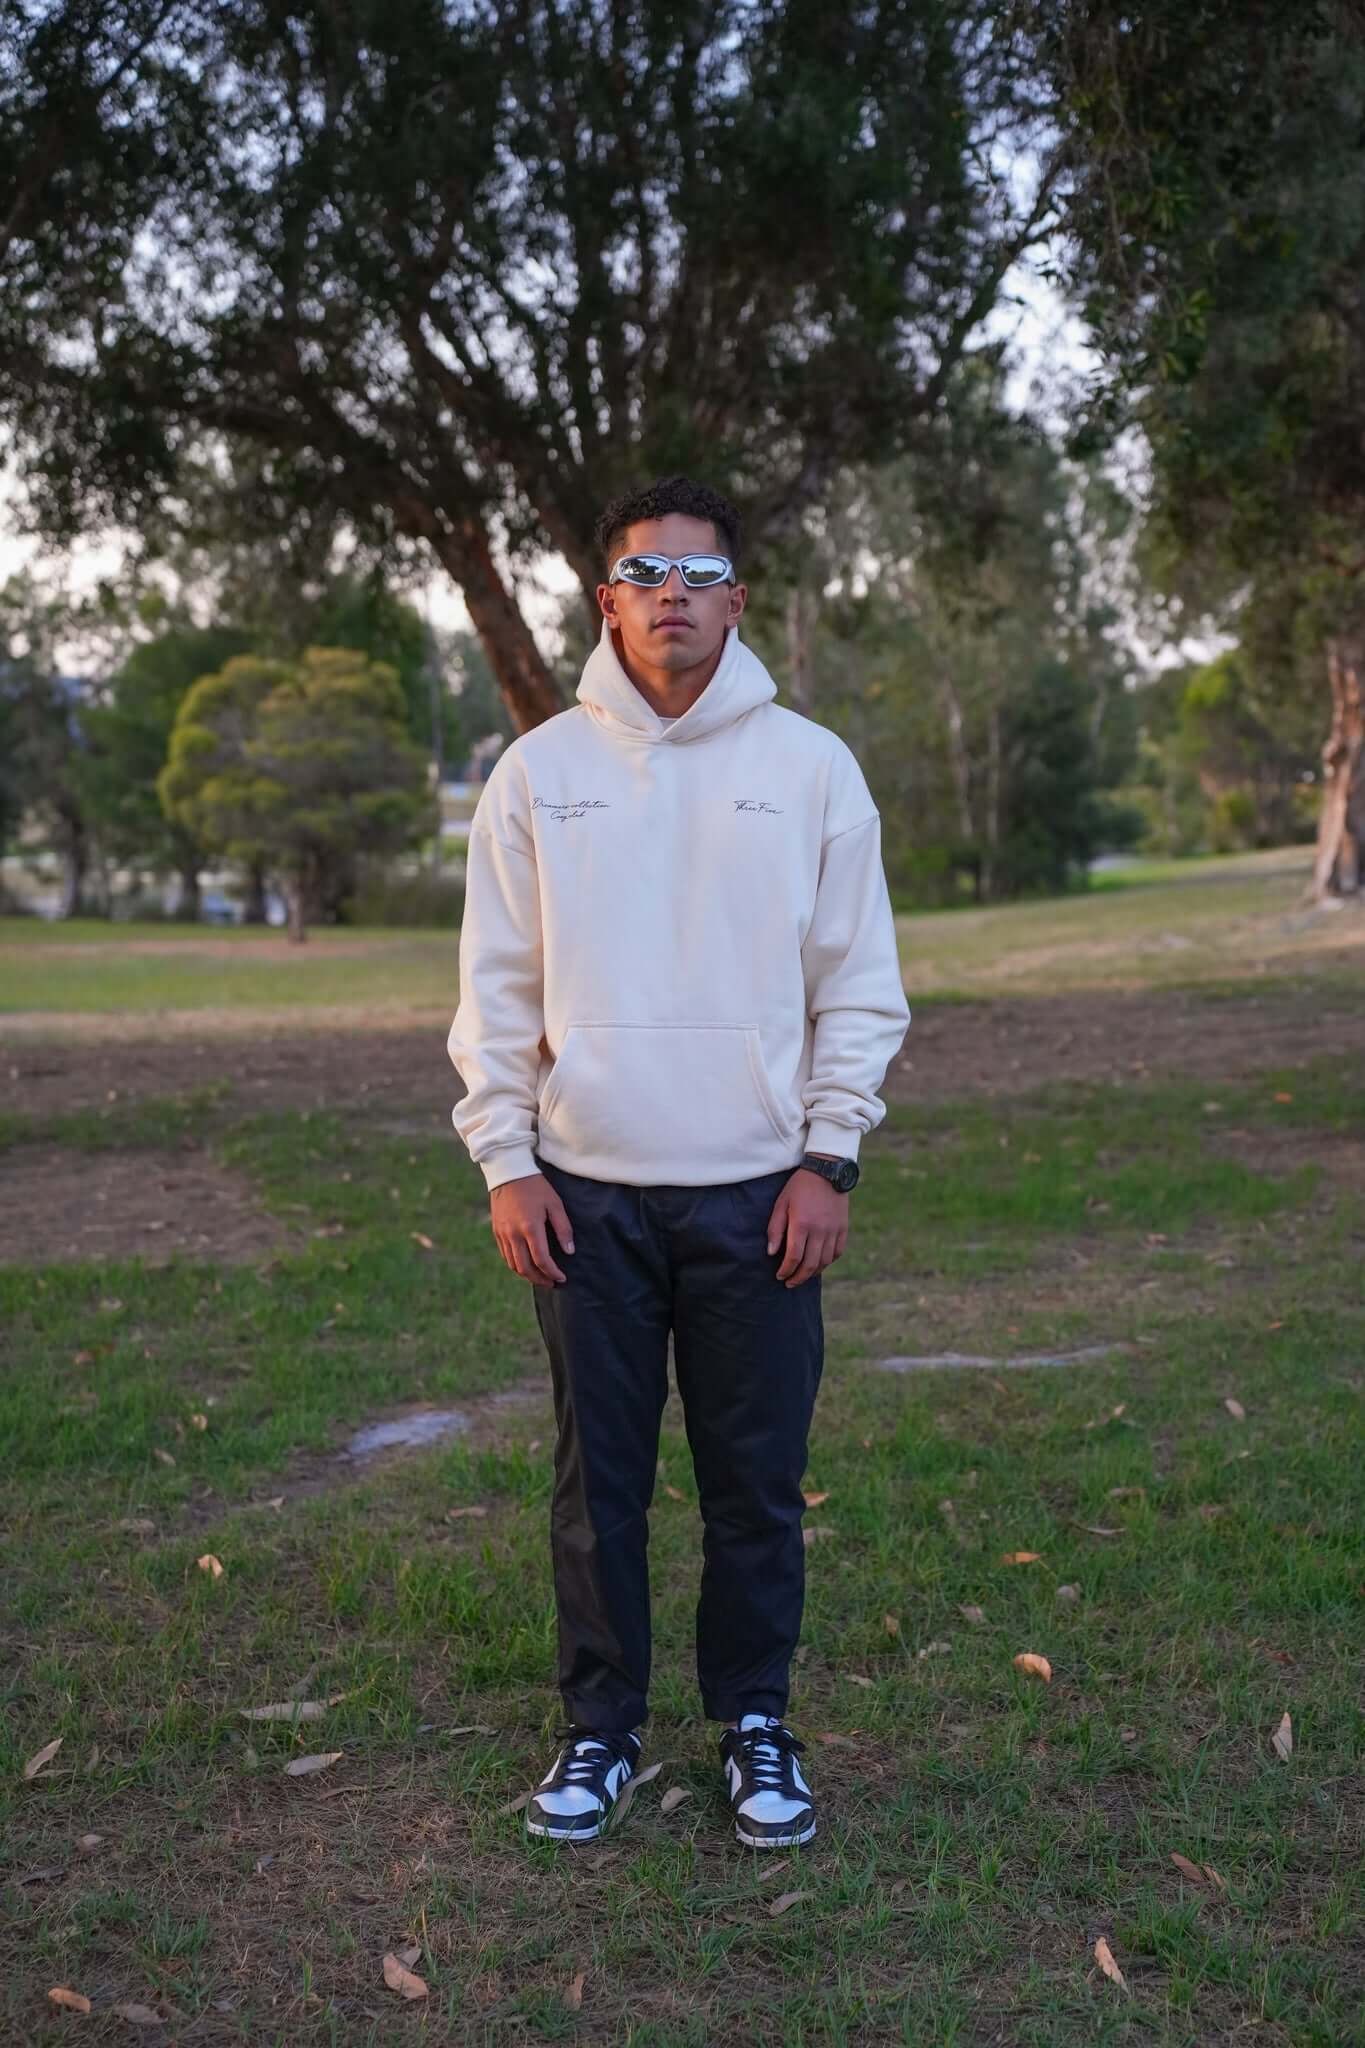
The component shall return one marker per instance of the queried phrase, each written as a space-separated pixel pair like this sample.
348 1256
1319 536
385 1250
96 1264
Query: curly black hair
656 501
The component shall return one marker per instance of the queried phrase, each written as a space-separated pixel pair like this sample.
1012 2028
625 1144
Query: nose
673 585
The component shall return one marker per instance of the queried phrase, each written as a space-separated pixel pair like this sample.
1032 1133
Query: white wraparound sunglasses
648 572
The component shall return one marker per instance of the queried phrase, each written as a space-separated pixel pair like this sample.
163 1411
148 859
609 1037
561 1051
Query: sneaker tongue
757 1721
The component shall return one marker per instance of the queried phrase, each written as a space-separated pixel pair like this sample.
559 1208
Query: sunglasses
648 572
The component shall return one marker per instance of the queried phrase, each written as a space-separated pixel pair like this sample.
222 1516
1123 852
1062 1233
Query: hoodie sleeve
494 1042
851 965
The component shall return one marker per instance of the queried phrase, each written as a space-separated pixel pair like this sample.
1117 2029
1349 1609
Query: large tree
1214 195
459 272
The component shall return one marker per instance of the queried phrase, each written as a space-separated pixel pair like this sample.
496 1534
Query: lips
667 625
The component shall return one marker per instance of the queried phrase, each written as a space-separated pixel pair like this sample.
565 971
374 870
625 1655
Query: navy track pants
748 1354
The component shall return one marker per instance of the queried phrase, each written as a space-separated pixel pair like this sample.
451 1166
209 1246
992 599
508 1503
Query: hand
815 1218
520 1211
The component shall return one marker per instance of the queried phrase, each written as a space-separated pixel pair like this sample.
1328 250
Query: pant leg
606 1331
749 1352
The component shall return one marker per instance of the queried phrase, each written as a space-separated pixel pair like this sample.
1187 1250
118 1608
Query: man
679 993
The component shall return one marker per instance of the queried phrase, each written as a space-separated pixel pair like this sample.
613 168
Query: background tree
129 730
44 768
1215 218
749 237
959 624
302 767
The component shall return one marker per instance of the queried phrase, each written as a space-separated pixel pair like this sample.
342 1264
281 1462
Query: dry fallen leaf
675 1493
814 1532
935 1649
1096 1528
975 1615
288 1710
891 1625
164 1456
304 1766
62 1994
1127 1493
1104 1956
41 1757
1036 1666
1235 1408
515 1805
458 1514
408 1956
1022 1557
673 1798
199 1421
784 1900
815 1500
573 1997
632 1786
472 1728
400 1979
1197 1873
209 1563
87 1844
420 1237
1283 1739
139 2015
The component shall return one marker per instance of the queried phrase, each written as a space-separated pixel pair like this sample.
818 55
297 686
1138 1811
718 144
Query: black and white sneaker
577 1793
769 1798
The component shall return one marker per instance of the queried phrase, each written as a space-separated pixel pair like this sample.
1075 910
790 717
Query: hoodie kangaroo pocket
683 1097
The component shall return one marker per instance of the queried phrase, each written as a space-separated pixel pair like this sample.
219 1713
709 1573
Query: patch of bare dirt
57 1205
1339 1154
1005 1046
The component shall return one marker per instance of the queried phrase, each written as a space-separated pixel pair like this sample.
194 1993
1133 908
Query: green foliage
750 239
129 734
303 766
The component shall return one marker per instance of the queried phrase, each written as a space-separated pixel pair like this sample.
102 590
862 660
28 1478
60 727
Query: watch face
847 1175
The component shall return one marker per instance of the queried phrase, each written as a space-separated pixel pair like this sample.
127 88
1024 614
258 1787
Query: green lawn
1164 925
980 1829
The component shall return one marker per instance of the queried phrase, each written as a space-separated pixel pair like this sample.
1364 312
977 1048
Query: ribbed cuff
840 1139
513 1162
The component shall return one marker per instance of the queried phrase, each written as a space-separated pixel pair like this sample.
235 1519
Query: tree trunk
296 896
253 910
1341 823
187 903
529 691
800 682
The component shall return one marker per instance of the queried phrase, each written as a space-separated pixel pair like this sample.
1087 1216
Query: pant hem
611 1720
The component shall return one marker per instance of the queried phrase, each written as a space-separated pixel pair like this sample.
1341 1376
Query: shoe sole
535 1827
774 1841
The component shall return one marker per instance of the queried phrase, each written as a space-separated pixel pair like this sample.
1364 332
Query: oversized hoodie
678 961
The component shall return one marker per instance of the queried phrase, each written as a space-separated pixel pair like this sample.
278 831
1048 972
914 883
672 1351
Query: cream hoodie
678 962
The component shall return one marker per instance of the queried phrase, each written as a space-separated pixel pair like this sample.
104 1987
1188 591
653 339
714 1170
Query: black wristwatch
840 1173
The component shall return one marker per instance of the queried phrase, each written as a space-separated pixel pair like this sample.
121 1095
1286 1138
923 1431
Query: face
671 627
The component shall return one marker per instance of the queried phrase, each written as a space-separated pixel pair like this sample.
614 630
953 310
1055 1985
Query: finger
559 1217
796 1246
540 1252
814 1261
777 1223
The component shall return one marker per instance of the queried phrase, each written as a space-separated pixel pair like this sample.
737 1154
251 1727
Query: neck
669 691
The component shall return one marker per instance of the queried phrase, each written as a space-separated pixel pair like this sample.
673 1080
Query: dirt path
988 1048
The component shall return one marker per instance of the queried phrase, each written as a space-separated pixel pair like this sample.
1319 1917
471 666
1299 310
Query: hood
611 698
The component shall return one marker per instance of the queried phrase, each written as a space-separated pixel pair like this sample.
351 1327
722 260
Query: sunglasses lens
699 570
648 570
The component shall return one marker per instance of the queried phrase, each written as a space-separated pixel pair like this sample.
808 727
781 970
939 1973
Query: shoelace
766 1752
580 1766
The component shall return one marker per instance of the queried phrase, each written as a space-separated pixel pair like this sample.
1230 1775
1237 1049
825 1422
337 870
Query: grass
980 1829
1165 925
